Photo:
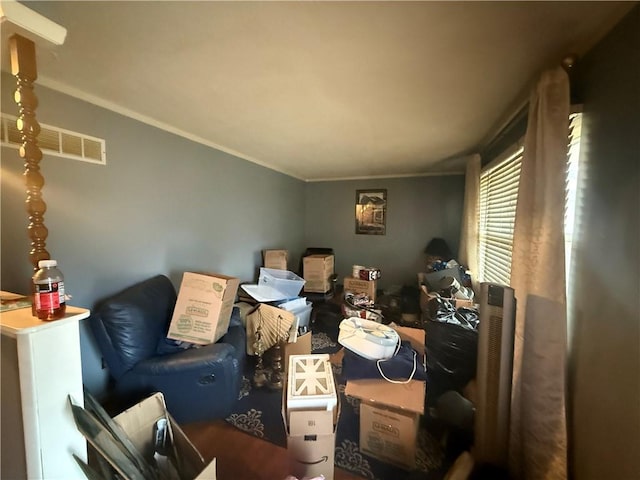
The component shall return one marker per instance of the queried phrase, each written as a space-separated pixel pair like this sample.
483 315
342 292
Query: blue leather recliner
198 383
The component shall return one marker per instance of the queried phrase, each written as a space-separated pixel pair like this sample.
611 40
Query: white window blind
498 198
497 212
571 198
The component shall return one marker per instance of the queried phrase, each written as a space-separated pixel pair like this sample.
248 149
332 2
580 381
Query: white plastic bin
303 314
284 281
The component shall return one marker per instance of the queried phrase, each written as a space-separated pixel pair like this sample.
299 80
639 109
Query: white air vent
56 141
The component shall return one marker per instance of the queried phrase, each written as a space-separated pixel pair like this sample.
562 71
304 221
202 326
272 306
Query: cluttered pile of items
444 276
385 369
450 318
277 312
278 323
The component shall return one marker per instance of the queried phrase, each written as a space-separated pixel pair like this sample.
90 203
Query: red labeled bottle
48 291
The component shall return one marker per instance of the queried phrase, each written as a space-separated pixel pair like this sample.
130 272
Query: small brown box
356 286
276 259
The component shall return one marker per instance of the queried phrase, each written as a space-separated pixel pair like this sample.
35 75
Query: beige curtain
538 447
468 251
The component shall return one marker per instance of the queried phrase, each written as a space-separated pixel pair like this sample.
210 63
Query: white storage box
274 285
369 339
301 308
284 281
303 314
310 384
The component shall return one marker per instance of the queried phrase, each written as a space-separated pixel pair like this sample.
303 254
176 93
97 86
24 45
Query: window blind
497 212
571 191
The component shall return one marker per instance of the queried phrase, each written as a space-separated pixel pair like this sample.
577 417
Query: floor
240 456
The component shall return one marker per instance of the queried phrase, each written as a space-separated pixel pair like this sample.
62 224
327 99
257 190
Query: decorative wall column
23 67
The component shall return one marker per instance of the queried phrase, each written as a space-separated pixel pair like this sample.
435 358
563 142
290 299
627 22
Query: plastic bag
443 311
451 345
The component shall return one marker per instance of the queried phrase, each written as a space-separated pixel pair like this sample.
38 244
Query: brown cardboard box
203 308
389 418
355 285
415 336
302 346
276 259
317 270
275 325
138 422
311 439
458 302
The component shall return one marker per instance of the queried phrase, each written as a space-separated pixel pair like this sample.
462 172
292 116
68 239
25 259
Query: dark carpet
258 412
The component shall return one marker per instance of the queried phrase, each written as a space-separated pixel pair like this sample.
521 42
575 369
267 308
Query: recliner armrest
236 336
192 359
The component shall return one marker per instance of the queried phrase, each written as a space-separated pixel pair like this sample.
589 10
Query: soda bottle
48 291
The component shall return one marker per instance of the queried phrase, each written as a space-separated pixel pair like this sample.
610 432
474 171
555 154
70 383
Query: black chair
198 383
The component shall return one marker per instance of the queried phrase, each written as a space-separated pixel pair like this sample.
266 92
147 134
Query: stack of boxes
275 259
360 289
390 412
310 411
317 272
281 310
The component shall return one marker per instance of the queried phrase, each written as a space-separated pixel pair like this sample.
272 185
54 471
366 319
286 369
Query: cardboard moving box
203 308
275 259
138 422
302 346
389 418
317 271
357 286
275 325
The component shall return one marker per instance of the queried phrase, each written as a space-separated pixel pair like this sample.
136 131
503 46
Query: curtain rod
521 108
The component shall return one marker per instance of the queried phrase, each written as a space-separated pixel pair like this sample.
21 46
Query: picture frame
371 212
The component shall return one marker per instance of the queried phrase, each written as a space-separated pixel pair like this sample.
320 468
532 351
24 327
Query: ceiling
320 90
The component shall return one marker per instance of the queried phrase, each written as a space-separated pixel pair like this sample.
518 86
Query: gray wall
605 371
418 209
162 204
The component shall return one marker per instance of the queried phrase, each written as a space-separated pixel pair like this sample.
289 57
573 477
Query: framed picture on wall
371 212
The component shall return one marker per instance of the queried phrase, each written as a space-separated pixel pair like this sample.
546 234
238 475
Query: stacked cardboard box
390 412
275 259
310 411
317 272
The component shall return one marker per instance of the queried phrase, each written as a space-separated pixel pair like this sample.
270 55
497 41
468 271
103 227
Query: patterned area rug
258 412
